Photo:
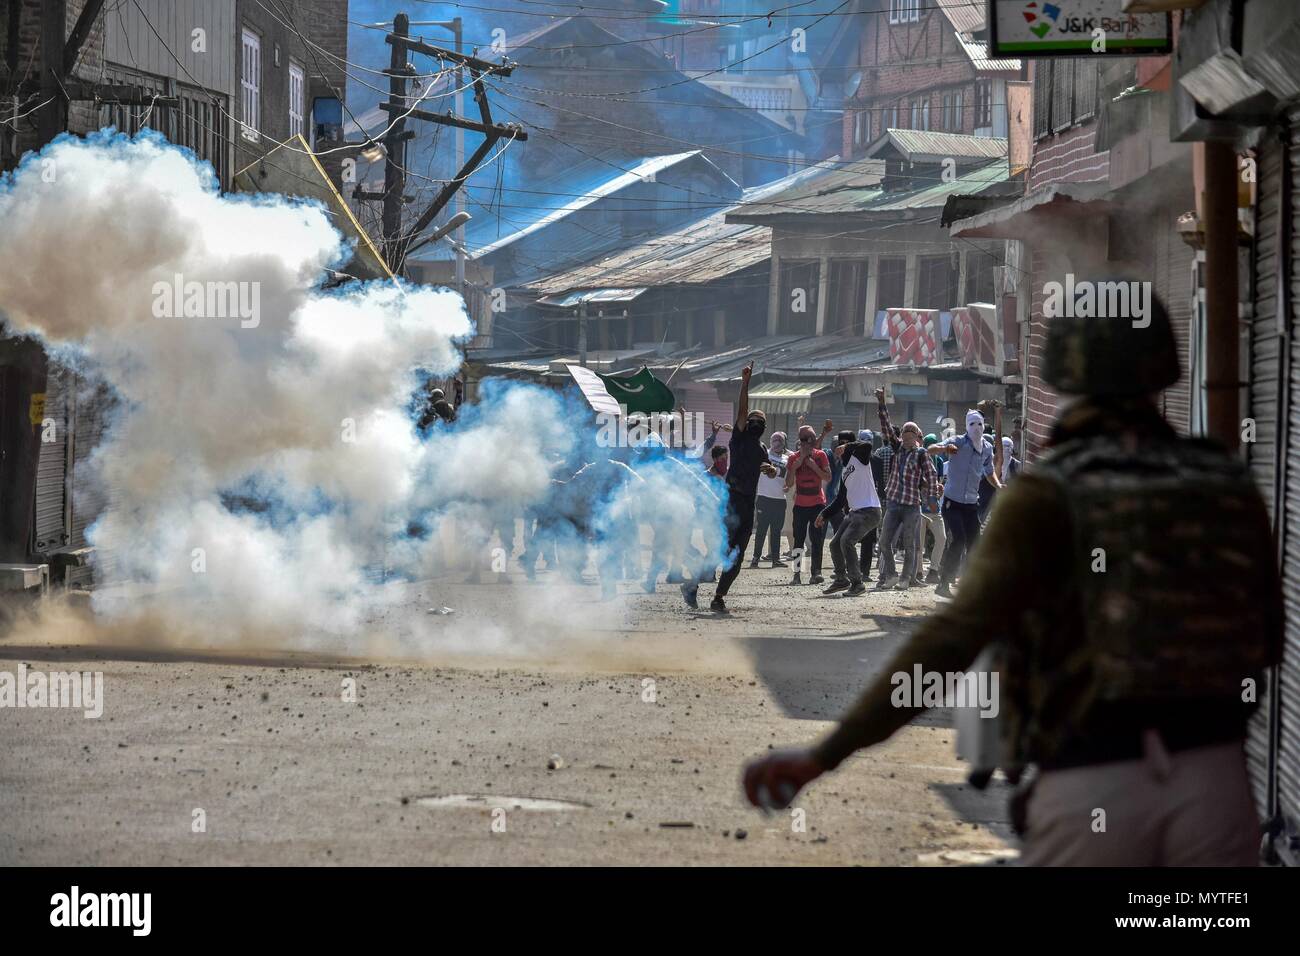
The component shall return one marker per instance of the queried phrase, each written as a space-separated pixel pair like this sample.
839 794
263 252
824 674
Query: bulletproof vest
1165 567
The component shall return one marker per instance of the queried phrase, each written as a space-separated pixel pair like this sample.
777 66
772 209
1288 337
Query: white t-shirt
773 487
859 485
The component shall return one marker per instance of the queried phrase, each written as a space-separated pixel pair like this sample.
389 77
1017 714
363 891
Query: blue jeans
899 518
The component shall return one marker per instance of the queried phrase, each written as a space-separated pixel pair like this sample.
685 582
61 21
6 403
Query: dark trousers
962 522
868 545
769 518
805 526
740 525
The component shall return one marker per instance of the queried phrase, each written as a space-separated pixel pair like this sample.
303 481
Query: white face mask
975 429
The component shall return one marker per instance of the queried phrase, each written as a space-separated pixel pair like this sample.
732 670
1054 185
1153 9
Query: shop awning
1058 201
591 296
786 398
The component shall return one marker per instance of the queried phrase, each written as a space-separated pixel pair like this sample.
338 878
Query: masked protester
1122 689
748 461
769 513
970 459
931 519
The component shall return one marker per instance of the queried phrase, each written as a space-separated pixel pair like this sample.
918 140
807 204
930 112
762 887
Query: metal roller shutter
50 530
1175 261
1264 396
1273 746
90 497
1285 712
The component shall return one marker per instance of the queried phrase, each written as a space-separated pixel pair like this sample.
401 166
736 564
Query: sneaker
943 590
856 588
918 581
932 577
902 585
718 606
779 564
754 563
689 592
884 584
836 585
796 579
816 579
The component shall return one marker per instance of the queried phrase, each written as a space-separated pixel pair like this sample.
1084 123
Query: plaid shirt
912 480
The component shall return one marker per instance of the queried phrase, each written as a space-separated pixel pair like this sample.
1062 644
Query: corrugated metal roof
978 51
785 398
787 357
591 295
701 252
641 172
966 16
928 146
843 193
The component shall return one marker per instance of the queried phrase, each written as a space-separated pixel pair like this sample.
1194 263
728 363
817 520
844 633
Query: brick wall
906 63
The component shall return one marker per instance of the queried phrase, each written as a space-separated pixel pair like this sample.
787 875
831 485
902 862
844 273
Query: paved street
650 709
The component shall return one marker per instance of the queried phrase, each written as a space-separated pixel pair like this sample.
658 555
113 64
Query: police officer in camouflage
1130 582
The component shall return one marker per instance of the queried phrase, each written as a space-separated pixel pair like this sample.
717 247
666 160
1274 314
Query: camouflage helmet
1121 351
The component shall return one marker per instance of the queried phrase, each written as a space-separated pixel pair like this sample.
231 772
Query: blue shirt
965 469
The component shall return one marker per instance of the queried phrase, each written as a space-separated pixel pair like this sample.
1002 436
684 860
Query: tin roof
928 146
844 192
966 16
698 253
978 51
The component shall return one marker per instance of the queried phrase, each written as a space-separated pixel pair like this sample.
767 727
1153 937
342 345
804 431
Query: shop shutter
50 530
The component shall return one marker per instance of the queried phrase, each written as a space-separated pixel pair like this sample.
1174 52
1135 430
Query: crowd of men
878 494
889 499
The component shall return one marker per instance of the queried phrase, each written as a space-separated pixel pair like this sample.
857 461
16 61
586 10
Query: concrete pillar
774 294
719 327
910 280
873 287
823 284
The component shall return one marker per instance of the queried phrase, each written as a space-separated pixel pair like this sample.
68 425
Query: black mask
756 428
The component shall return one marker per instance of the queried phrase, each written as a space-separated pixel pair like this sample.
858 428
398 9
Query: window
916 114
958 120
925 115
297 105
846 296
250 85
983 103
891 291
798 303
979 276
945 120
901 11
1065 93
937 283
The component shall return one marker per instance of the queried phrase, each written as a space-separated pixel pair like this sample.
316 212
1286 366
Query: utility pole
457 28
395 142
399 241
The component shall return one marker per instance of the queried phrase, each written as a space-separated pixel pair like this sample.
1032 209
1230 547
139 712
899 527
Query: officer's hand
772 782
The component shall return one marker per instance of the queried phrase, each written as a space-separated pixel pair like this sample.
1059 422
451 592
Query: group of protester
872 493
875 494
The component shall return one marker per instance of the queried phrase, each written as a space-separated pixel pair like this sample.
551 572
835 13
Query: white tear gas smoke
262 460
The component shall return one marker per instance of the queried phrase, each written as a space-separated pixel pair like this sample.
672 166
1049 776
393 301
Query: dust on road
651 709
